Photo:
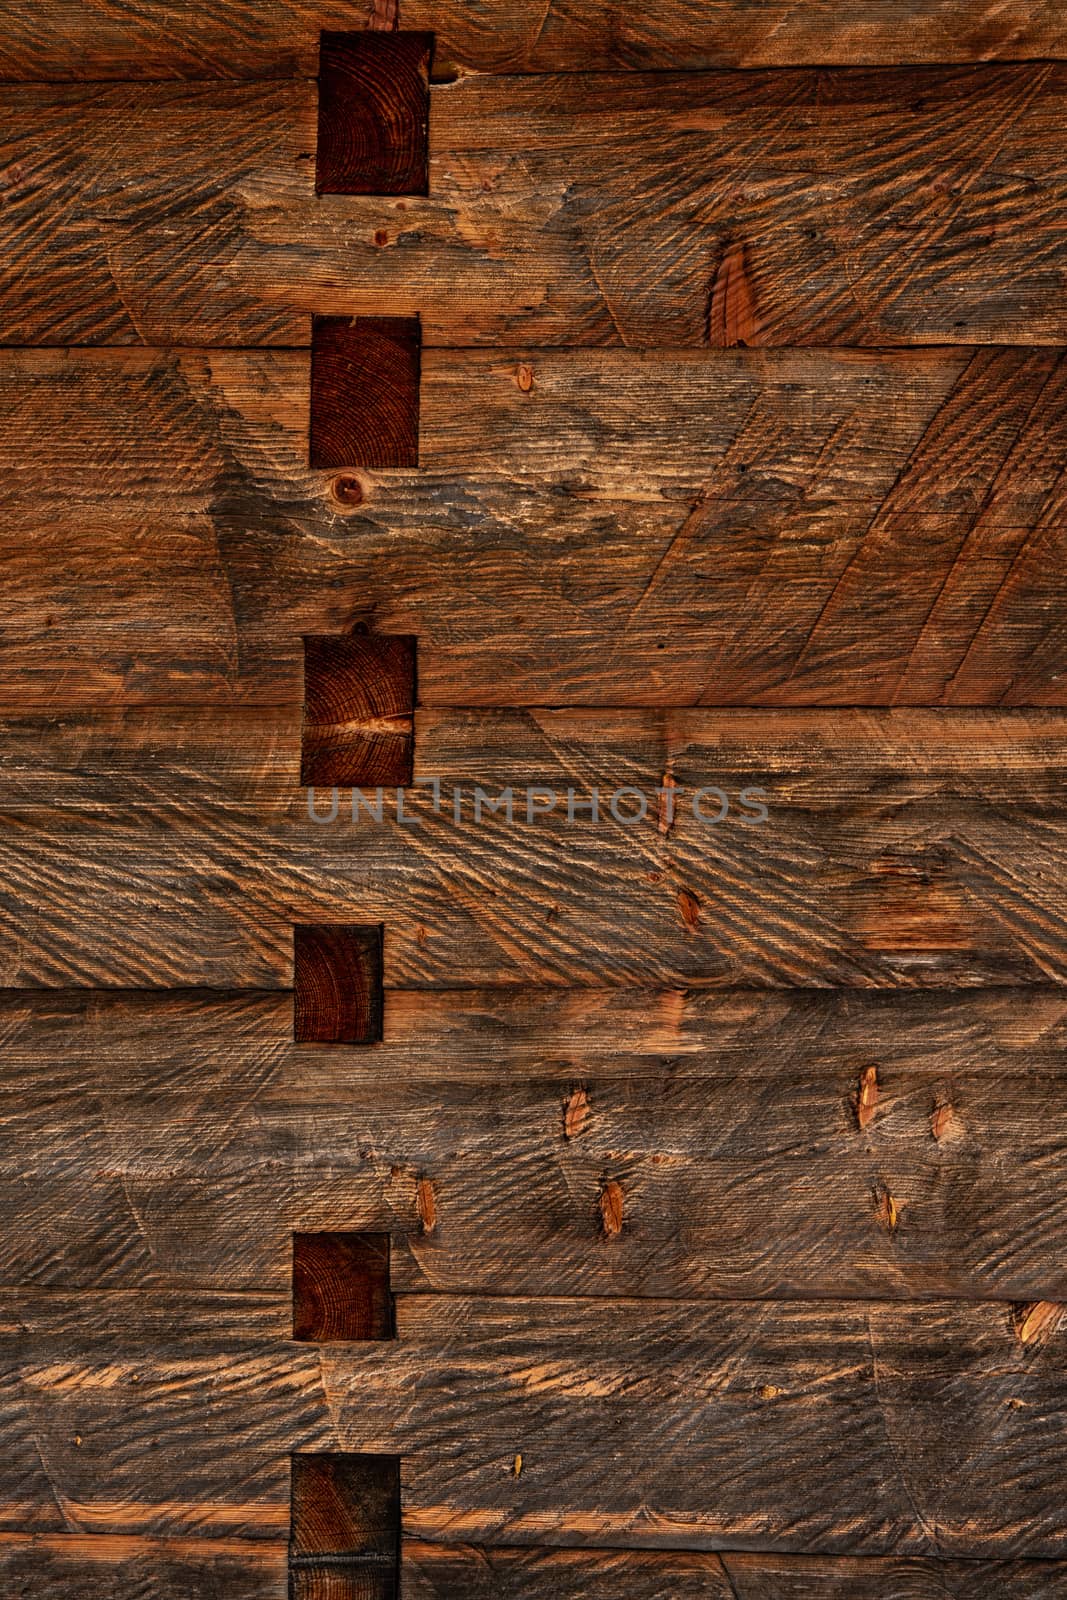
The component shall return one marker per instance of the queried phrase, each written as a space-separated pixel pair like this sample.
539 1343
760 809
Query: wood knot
347 490
575 1114
524 377
866 1097
1037 1322
611 1208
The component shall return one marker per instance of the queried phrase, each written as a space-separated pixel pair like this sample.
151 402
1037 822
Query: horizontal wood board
804 207
586 528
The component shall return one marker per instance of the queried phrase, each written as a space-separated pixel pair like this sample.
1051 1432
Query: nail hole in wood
359 702
374 110
341 1287
337 983
344 1541
365 392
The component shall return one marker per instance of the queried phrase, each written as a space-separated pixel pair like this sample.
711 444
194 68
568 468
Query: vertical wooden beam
365 392
374 110
359 703
337 982
341 1287
344 1541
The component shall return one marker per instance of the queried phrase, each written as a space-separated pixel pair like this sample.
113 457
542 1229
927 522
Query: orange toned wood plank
256 38
873 208
587 527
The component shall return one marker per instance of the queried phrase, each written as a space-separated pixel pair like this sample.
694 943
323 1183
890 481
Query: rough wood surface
900 848
279 38
804 207
727 1122
435 1572
598 527
900 1429
99 1566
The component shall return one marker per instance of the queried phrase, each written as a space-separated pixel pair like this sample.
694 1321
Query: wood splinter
866 1098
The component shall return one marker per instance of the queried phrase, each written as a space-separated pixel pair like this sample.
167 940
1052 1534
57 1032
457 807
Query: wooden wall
676 1206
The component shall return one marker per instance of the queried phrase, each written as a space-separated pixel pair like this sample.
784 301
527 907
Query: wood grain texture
727 1122
729 527
337 983
903 207
341 1287
903 849
117 1567
128 1567
374 107
279 38
435 1572
364 392
934 1414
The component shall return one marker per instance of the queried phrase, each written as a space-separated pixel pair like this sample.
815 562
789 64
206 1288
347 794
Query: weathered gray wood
183 1139
726 528
907 848
805 207
279 38
899 1430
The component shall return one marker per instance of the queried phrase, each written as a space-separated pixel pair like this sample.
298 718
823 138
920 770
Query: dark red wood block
359 703
344 1541
337 972
374 112
365 391
341 1287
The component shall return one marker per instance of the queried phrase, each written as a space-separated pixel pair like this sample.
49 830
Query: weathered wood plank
784 208
55 1566
436 1572
112 1567
900 848
117 1567
591 527
279 38
182 1140
900 1430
